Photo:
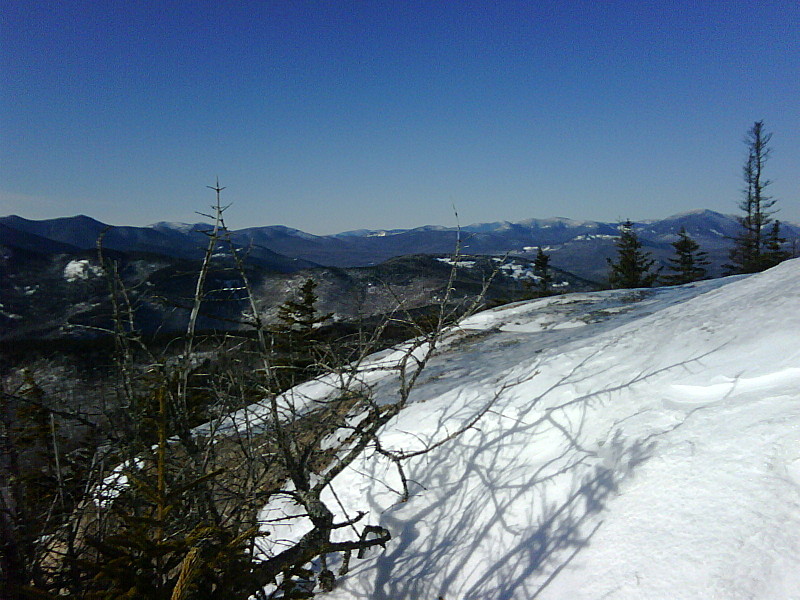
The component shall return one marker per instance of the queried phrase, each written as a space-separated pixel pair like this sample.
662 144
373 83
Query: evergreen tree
774 251
541 268
632 269
296 334
689 262
168 541
299 316
749 253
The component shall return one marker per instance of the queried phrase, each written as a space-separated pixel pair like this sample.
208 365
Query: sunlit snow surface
76 270
646 445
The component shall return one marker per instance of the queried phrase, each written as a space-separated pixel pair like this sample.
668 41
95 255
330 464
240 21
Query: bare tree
174 510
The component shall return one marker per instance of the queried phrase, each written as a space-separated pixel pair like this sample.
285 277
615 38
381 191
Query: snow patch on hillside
76 270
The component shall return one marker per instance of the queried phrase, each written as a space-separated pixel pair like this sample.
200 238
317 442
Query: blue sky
329 116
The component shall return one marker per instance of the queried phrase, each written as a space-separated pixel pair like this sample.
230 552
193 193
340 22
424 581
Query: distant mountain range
72 234
53 286
579 247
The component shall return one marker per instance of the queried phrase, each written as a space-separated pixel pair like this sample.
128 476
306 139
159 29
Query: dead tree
171 509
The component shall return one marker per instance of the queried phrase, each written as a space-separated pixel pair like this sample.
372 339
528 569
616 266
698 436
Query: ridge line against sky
337 116
467 226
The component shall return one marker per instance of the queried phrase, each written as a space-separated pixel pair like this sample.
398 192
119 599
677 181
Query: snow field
653 452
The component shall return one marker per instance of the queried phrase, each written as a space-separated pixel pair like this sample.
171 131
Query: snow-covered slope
644 445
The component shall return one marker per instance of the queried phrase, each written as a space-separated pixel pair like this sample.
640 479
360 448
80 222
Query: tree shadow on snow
496 527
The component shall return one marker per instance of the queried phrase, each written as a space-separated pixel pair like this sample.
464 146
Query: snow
513 270
595 236
466 264
644 444
313 394
115 482
76 270
177 226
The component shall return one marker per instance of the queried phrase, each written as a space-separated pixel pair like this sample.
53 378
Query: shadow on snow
494 527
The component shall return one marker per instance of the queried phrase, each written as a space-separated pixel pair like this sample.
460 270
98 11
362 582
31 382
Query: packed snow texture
645 444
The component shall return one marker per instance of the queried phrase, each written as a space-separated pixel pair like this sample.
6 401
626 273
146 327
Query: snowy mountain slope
644 444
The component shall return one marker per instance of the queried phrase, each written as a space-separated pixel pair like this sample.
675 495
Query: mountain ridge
15 221
579 247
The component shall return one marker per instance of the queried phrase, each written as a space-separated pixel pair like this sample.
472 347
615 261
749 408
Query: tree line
758 246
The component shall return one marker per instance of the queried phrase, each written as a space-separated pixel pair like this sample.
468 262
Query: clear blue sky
328 116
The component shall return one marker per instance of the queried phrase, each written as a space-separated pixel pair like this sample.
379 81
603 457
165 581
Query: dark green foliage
541 268
299 316
689 262
632 268
744 254
296 338
756 248
165 540
41 481
774 247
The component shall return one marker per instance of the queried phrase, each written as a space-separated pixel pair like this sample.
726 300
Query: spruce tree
295 337
541 268
300 314
774 251
632 269
689 262
749 253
